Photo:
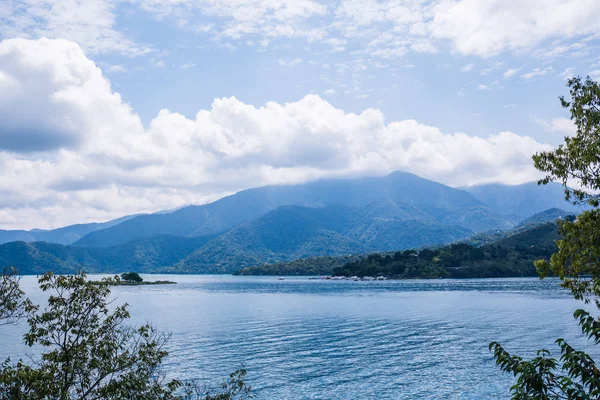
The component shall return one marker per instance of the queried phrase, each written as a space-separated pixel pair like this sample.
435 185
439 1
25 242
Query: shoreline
133 283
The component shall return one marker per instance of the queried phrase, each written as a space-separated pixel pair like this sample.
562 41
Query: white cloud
558 125
187 65
336 44
237 19
389 53
594 74
559 50
290 63
488 27
537 72
490 86
117 68
492 67
99 161
467 67
509 73
91 23
389 27
382 28
329 92
568 73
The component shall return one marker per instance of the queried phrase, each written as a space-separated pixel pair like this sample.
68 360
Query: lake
315 339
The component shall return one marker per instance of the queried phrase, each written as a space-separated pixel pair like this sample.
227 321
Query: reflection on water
313 339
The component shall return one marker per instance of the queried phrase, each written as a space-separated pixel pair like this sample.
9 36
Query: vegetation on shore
511 255
303 267
88 350
130 279
575 374
123 283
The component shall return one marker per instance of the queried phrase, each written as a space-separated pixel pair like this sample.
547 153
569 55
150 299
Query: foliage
131 277
512 256
13 304
89 352
577 261
233 388
578 158
303 266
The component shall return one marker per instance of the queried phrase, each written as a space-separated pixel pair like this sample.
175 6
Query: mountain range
285 222
64 235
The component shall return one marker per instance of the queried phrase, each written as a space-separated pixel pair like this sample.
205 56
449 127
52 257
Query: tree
577 261
13 303
132 277
88 352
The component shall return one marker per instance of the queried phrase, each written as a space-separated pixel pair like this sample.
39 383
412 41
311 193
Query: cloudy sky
111 107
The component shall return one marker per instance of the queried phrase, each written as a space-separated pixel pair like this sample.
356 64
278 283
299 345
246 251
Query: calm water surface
313 339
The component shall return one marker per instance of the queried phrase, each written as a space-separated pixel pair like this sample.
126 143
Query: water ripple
313 339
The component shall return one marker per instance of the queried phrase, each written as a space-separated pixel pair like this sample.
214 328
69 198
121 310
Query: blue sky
113 107
454 89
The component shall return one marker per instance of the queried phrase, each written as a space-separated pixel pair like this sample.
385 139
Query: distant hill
302 267
293 232
64 235
281 236
142 255
282 223
412 194
549 215
522 200
507 253
510 257
286 233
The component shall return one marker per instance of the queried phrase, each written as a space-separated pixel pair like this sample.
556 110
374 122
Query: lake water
313 339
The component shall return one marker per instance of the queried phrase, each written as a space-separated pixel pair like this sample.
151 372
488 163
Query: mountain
31 259
64 235
412 194
549 215
283 234
522 200
531 239
142 255
294 232
495 235
509 257
282 223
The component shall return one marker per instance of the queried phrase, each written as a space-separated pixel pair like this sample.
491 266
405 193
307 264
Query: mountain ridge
63 235
225 213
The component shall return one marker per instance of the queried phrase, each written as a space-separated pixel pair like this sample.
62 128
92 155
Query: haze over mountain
64 235
281 223
142 255
522 200
293 232
421 198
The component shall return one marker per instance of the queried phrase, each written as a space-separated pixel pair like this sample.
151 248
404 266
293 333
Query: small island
132 279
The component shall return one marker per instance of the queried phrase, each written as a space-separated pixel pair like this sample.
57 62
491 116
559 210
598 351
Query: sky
114 107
